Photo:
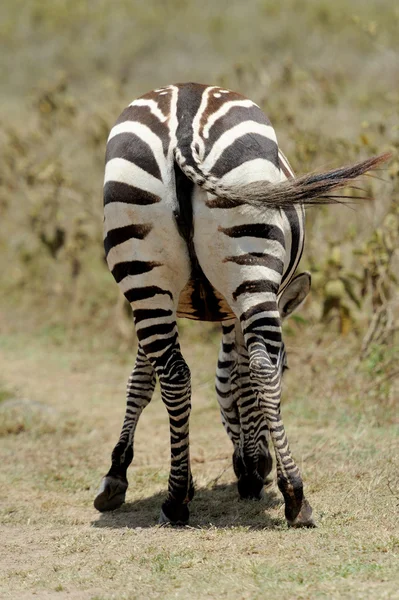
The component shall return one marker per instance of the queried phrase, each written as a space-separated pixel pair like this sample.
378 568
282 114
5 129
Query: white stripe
253 272
123 171
256 298
231 135
153 106
284 160
173 122
258 169
126 251
223 110
197 140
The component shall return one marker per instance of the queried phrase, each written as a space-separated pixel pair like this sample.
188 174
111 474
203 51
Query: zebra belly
200 301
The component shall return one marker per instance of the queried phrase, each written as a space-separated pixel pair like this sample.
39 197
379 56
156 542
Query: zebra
204 219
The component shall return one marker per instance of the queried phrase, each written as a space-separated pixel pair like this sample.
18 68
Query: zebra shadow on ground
218 506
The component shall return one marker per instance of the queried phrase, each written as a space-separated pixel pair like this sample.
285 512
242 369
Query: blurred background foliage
327 75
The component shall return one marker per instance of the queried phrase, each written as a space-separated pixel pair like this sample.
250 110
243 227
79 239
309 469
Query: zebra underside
199 300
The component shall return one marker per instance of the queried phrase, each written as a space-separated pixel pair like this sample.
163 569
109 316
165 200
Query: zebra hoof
177 516
265 465
304 518
111 494
250 487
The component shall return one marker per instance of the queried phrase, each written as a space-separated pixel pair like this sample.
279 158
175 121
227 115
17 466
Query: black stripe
225 364
257 259
271 350
227 347
257 309
176 438
184 213
158 346
143 293
296 251
177 412
247 393
254 287
157 329
133 267
132 148
249 146
227 328
274 336
188 103
256 230
115 191
141 314
235 116
222 394
119 235
265 321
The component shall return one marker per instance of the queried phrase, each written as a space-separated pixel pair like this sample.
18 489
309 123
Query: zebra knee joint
261 369
176 372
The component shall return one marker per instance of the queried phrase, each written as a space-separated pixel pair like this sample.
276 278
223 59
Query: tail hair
308 190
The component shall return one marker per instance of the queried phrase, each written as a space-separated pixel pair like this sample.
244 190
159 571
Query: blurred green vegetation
326 73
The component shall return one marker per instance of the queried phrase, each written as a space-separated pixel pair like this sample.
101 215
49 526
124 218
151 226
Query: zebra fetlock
251 474
298 511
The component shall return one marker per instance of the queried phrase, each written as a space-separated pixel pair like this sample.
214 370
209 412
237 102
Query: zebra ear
294 294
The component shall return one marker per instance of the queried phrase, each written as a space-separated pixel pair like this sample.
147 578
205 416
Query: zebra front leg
140 387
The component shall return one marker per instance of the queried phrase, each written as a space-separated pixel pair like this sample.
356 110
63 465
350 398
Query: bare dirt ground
53 454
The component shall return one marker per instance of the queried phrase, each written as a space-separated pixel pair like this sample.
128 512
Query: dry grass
332 100
55 545
325 74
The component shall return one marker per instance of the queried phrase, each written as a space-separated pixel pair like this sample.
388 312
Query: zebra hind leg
140 387
225 387
175 382
157 332
266 380
252 461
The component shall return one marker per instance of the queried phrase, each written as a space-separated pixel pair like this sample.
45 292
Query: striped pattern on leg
225 384
140 388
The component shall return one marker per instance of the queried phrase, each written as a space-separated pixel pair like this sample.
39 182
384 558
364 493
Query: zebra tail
308 190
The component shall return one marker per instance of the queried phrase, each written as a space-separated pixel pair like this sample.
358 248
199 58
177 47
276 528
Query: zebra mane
308 190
